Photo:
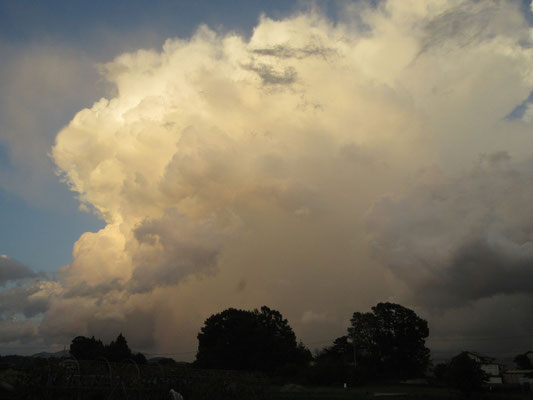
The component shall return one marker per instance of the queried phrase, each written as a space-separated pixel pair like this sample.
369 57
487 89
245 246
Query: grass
366 392
207 385
376 392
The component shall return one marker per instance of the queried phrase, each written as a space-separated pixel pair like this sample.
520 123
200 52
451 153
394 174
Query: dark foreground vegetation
83 348
87 380
90 380
254 355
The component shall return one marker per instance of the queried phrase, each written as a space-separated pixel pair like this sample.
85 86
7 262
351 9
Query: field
294 392
89 380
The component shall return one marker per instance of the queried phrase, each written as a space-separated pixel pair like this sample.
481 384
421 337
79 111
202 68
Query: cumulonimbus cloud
238 172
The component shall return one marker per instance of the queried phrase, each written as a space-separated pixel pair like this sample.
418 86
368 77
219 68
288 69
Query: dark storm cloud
496 158
484 268
23 300
171 248
284 51
83 289
470 24
14 330
271 76
464 238
13 270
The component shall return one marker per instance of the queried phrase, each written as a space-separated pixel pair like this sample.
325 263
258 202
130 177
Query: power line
195 351
478 338
430 339
172 354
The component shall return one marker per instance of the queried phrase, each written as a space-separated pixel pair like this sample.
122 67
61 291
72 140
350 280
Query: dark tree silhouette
84 348
465 374
522 361
390 341
440 371
334 364
164 361
118 350
340 351
260 340
139 358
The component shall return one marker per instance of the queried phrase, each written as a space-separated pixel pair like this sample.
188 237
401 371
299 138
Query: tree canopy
334 364
118 349
84 348
390 341
260 340
522 361
341 350
465 374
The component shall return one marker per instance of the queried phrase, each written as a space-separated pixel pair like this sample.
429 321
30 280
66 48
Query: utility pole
354 353
354 359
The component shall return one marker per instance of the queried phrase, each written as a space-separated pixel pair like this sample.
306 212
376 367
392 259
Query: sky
163 161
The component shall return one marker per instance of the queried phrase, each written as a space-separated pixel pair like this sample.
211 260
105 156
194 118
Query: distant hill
168 361
161 360
153 360
57 354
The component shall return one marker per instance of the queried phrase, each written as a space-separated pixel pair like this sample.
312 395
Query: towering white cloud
241 172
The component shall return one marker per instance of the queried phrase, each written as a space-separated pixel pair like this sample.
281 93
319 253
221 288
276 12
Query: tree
260 340
441 372
84 348
390 341
139 358
522 361
340 352
118 350
334 364
465 374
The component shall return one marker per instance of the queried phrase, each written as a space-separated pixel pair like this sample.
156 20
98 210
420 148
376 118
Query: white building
489 366
518 376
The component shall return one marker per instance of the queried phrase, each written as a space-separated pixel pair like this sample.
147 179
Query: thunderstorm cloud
317 167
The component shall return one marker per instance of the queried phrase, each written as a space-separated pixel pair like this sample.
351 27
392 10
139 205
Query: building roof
482 358
518 371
